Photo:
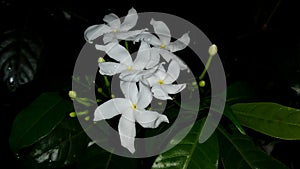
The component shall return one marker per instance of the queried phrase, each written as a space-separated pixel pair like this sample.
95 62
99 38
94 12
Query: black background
255 46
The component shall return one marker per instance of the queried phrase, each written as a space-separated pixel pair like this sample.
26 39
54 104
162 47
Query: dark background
258 42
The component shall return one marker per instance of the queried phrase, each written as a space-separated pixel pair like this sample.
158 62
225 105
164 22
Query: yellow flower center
133 106
160 82
162 46
129 68
115 30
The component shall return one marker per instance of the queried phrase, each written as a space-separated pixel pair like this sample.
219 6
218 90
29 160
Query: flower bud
212 50
72 114
72 94
202 83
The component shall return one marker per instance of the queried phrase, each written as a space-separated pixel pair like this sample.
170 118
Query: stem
126 45
206 67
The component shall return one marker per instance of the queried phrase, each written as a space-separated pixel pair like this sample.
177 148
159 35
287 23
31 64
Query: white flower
161 81
129 70
163 45
114 29
132 109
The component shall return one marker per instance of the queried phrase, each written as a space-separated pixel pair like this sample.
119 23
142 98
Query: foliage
44 135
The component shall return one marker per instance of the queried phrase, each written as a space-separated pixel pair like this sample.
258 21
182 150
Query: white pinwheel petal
95 31
142 58
127 133
130 91
130 20
180 43
173 88
172 73
136 75
113 21
144 96
117 52
111 68
171 56
162 31
150 119
111 108
154 58
159 93
153 80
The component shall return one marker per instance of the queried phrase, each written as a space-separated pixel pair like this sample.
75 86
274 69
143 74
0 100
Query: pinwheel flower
161 81
114 29
129 70
162 44
132 109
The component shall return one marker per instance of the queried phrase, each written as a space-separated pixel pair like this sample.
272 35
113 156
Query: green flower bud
72 114
72 94
202 83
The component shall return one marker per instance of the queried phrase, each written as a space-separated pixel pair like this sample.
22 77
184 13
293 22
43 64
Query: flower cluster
143 77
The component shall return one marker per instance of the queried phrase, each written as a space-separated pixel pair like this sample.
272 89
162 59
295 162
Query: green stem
206 67
126 45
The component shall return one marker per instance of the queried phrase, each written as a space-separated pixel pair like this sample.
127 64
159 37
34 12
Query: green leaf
239 152
19 54
189 153
37 120
229 114
97 158
63 147
269 118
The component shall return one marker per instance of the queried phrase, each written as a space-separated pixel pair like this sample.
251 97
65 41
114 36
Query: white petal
153 80
144 96
162 31
124 85
130 35
136 75
167 55
150 119
111 108
143 57
112 20
130 91
130 20
172 73
95 31
159 93
180 43
148 38
127 133
117 52
173 88
154 58
130 76
111 68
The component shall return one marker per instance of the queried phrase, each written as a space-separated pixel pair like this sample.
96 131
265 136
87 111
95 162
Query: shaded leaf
239 152
38 120
63 147
19 54
269 118
189 153
97 158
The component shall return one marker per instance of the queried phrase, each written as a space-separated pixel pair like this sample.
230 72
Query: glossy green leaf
239 152
97 158
189 153
229 114
38 119
269 118
62 147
